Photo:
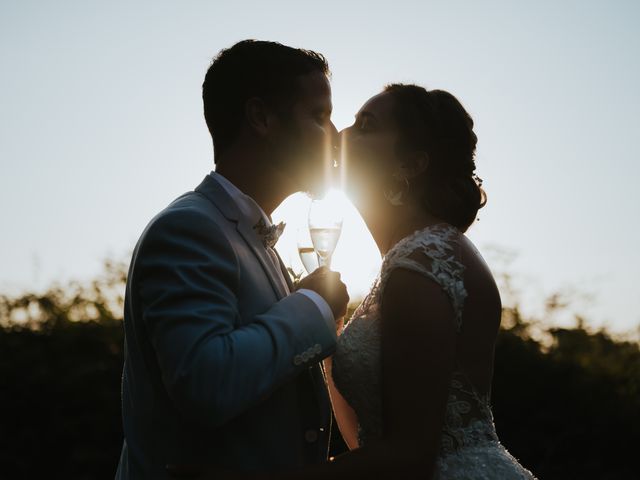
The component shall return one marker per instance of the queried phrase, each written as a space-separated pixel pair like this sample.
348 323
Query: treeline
567 404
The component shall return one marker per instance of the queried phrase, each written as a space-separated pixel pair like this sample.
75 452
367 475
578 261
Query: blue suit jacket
211 334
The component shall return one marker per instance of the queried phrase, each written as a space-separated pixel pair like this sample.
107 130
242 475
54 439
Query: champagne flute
325 227
307 253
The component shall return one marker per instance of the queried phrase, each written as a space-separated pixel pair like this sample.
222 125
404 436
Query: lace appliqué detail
437 243
468 419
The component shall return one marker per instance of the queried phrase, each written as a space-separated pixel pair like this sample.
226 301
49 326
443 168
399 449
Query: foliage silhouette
566 404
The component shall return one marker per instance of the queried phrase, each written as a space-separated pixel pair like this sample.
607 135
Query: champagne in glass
324 242
325 226
307 253
309 258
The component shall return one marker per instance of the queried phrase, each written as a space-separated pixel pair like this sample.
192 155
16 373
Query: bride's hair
435 122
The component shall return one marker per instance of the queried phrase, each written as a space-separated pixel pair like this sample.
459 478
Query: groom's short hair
252 68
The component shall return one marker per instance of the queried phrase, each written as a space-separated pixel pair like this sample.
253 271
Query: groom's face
305 141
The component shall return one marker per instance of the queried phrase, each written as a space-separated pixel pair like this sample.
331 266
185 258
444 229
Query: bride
411 378
410 381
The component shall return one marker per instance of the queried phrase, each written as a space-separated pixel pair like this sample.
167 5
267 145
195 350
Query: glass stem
324 261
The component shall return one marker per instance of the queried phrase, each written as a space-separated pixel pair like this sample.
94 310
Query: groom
221 353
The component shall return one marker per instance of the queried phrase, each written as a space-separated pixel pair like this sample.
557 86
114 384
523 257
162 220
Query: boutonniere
269 234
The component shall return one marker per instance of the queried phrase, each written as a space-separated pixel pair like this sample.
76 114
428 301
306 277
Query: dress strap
431 252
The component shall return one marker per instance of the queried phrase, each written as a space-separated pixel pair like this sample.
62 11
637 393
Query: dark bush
566 407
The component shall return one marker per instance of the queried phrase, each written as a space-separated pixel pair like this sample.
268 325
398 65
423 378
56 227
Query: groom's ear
258 115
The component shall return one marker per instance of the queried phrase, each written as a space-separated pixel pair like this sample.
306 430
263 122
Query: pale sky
101 125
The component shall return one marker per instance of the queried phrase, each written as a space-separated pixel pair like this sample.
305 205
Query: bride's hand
340 325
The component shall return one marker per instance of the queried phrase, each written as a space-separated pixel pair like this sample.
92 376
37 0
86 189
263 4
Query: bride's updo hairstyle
435 122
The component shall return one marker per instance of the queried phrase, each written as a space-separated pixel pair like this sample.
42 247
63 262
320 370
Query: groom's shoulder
190 211
189 203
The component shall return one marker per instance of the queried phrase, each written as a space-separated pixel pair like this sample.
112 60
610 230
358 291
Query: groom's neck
255 177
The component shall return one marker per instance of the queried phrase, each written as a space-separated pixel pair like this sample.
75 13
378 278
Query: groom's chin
316 191
316 186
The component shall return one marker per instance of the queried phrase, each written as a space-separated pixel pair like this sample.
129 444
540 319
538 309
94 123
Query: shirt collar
245 203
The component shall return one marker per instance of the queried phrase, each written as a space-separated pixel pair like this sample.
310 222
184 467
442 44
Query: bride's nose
343 135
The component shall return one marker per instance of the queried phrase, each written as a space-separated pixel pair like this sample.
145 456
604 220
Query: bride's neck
388 224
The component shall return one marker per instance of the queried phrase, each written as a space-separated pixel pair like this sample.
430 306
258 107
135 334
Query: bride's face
368 148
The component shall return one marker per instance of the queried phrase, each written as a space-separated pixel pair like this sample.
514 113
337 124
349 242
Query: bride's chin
360 196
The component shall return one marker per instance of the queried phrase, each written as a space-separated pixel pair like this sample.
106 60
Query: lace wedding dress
469 447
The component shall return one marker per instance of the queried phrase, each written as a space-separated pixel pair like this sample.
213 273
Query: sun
356 257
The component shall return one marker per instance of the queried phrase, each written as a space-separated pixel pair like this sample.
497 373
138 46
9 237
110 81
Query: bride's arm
417 352
345 415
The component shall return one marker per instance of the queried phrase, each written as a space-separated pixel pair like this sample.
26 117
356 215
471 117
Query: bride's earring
395 197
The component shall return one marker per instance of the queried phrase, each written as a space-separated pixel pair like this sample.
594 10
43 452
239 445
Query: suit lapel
285 273
253 240
217 194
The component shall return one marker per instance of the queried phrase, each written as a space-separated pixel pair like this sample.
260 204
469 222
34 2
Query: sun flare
356 256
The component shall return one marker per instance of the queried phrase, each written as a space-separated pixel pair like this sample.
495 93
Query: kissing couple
232 371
